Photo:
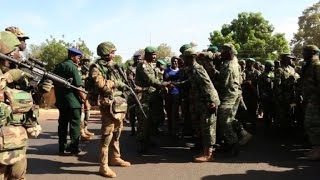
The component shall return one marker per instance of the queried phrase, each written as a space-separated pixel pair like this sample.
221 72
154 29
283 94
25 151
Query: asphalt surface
264 158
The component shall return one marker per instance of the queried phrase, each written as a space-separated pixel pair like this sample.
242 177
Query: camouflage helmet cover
8 42
105 48
17 31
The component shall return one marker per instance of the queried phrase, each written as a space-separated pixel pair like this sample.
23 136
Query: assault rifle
124 77
39 72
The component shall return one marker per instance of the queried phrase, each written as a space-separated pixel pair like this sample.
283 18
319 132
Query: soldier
21 36
311 96
106 80
69 102
207 101
15 129
85 114
250 92
265 84
149 86
285 81
229 89
131 73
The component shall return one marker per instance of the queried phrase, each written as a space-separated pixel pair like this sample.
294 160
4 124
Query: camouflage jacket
265 84
311 82
285 81
146 76
201 87
228 84
107 79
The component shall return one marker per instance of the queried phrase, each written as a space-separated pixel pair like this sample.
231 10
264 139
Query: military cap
241 61
17 31
189 52
250 60
184 47
311 48
213 48
85 59
8 42
287 55
229 46
136 54
269 63
74 51
150 50
105 48
162 62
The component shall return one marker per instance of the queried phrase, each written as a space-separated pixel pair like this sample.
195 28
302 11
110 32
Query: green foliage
118 59
252 36
164 51
309 29
54 51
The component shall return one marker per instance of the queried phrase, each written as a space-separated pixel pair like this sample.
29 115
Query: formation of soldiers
210 95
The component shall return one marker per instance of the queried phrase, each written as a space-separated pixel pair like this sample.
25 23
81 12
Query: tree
164 51
54 51
252 36
308 30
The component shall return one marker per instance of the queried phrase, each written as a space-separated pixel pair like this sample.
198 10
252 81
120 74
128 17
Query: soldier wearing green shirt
206 101
69 102
149 85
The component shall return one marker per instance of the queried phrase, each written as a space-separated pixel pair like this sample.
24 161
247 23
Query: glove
34 131
47 85
14 75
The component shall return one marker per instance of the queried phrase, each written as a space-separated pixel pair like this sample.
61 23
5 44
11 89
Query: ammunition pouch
12 137
20 101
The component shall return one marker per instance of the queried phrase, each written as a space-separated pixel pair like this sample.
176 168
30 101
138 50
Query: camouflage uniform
15 130
265 84
229 90
113 106
250 92
285 81
146 79
311 97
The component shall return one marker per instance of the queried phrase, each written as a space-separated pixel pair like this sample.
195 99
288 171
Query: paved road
263 159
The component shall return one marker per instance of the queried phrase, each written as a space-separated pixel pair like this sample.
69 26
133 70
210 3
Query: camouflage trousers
16 171
312 123
110 133
227 123
208 123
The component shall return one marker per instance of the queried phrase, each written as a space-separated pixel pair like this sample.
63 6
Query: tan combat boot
107 173
206 156
84 136
119 162
87 132
245 137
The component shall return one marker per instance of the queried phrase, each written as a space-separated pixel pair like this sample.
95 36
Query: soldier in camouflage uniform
250 92
131 73
14 130
104 77
285 81
265 84
149 86
229 89
206 100
311 96
85 114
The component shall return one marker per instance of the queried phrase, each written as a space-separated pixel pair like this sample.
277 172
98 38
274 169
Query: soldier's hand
211 106
166 83
138 89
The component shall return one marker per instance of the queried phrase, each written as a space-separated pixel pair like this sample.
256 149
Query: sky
135 24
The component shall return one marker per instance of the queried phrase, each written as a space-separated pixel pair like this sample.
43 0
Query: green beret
269 63
8 42
242 61
287 55
213 48
251 60
150 50
311 48
162 62
189 52
184 47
